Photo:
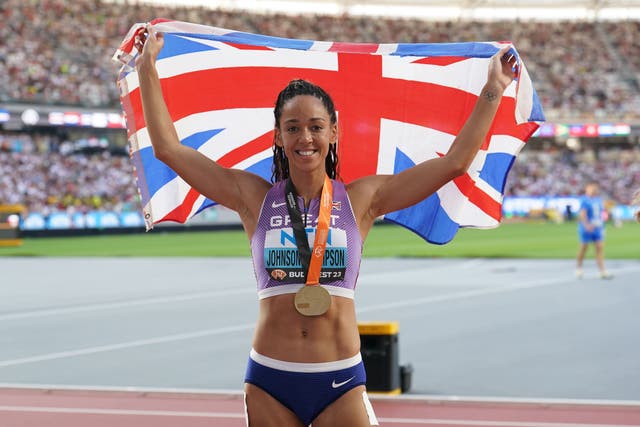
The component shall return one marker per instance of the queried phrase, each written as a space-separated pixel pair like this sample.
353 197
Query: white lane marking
488 423
232 329
447 399
434 399
123 304
240 415
383 278
376 279
465 294
129 344
53 388
373 279
100 411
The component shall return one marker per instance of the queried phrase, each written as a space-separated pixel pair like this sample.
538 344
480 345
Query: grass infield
510 240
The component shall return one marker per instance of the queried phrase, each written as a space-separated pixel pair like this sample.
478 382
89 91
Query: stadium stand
44 178
585 70
56 52
560 173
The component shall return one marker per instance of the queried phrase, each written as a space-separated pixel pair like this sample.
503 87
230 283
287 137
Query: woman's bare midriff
284 334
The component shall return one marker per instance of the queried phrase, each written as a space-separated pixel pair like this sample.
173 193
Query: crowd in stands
58 51
46 174
557 172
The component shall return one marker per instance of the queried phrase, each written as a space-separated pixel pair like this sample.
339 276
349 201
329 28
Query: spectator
68 45
48 180
58 52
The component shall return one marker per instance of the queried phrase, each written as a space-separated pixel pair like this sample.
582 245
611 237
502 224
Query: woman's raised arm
377 195
235 189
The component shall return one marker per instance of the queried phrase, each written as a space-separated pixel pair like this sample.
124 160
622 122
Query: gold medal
312 300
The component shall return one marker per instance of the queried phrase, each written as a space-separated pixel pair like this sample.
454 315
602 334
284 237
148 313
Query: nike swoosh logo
334 384
277 205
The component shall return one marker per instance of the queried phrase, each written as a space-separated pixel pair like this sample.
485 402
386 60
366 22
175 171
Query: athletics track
42 407
130 342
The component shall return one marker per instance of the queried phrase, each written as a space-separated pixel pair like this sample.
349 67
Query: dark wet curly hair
280 168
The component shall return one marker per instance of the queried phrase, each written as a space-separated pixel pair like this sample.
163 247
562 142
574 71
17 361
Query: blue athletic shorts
595 235
305 388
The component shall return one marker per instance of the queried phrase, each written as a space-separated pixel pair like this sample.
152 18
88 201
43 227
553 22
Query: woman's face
305 133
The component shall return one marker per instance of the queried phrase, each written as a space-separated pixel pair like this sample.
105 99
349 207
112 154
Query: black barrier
379 348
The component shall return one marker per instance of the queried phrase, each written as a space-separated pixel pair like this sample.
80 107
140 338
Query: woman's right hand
148 43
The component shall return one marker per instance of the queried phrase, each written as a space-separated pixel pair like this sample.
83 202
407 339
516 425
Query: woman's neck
308 186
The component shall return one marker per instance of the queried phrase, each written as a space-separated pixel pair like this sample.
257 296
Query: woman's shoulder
275 190
364 186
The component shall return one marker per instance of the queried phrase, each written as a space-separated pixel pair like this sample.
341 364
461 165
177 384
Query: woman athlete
305 365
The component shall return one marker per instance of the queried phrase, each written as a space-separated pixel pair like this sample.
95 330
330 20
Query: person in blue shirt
591 229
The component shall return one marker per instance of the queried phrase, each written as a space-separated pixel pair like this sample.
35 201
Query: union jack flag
398 105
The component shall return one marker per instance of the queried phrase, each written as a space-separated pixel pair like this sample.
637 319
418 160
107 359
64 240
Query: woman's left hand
503 67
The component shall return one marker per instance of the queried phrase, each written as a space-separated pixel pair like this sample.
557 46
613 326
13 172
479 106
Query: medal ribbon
311 260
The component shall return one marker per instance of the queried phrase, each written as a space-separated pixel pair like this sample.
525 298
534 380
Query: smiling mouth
306 153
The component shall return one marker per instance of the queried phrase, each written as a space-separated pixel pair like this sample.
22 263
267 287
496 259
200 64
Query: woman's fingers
508 59
150 33
144 35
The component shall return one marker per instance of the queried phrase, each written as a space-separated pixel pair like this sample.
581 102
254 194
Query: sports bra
276 261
